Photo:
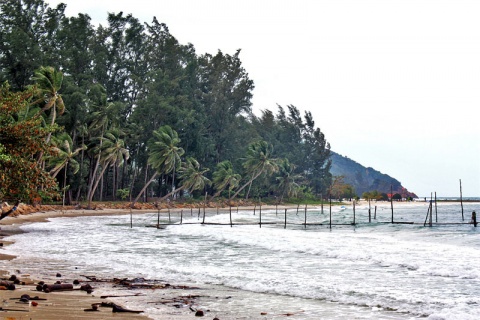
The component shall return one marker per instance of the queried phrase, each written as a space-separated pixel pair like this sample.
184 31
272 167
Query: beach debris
126 295
93 308
8 309
116 308
57 287
199 313
7 285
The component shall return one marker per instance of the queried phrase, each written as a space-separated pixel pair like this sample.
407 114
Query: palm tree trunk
171 192
144 188
246 184
96 184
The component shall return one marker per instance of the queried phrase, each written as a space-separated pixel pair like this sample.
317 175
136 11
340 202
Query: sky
393 85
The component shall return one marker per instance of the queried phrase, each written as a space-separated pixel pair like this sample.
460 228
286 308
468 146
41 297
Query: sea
308 262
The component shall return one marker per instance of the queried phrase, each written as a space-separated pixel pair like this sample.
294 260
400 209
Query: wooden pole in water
181 216
353 212
298 206
169 216
330 197
391 199
131 218
474 219
191 211
158 217
369 212
321 202
305 216
285 226
260 216
204 205
436 212
375 214
430 221
254 208
461 200
231 225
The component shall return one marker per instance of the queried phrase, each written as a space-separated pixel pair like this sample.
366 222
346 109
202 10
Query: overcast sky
393 85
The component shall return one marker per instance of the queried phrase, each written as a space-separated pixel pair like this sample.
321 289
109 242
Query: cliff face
365 179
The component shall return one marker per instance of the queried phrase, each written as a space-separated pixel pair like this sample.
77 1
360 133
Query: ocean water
373 270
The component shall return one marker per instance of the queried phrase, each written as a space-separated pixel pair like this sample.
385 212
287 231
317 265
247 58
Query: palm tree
48 83
63 156
192 177
258 162
112 152
225 177
164 155
286 179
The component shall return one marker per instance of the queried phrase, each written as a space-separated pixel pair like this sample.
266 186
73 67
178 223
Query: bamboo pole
260 216
391 200
298 206
375 214
305 216
330 197
231 225
369 211
285 225
353 212
461 199
169 216
436 212
181 216
158 217
131 218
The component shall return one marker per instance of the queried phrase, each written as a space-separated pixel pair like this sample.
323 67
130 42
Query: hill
365 179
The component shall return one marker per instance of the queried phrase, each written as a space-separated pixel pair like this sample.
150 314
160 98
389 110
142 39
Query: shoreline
73 303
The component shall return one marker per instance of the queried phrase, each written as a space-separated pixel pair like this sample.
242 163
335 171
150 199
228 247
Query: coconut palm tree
63 155
191 176
112 152
285 179
164 155
258 162
48 83
224 177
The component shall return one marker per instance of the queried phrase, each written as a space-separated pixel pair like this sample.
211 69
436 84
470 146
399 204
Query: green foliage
21 176
123 193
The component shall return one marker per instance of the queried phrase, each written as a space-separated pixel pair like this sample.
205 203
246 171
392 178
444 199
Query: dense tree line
129 112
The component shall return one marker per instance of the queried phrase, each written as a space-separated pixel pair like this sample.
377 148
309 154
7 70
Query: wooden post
231 217
330 197
158 217
461 200
276 209
353 212
285 226
298 206
260 215
191 211
217 211
305 216
391 200
369 211
321 202
375 214
198 213
181 216
131 218
169 216
474 219
254 208
436 212
430 221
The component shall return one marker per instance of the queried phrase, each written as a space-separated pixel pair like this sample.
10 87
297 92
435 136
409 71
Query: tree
258 162
285 180
224 177
164 155
63 155
192 177
20 140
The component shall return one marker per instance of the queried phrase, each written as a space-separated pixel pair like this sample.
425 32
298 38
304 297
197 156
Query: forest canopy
125 111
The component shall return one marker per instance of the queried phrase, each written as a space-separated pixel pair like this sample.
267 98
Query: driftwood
116 307
7 213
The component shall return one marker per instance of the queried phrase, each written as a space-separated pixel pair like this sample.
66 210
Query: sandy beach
57 304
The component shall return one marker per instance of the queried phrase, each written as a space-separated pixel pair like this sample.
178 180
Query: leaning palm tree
285 179
112 152
63 155
224 177
258 162
192 177
164 155
48 83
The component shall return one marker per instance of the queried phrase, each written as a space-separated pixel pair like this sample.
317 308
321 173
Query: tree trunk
144 188
246 184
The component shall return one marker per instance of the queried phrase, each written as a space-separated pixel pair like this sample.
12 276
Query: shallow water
372 270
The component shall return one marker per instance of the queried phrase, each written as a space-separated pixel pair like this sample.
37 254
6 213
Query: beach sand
58 304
